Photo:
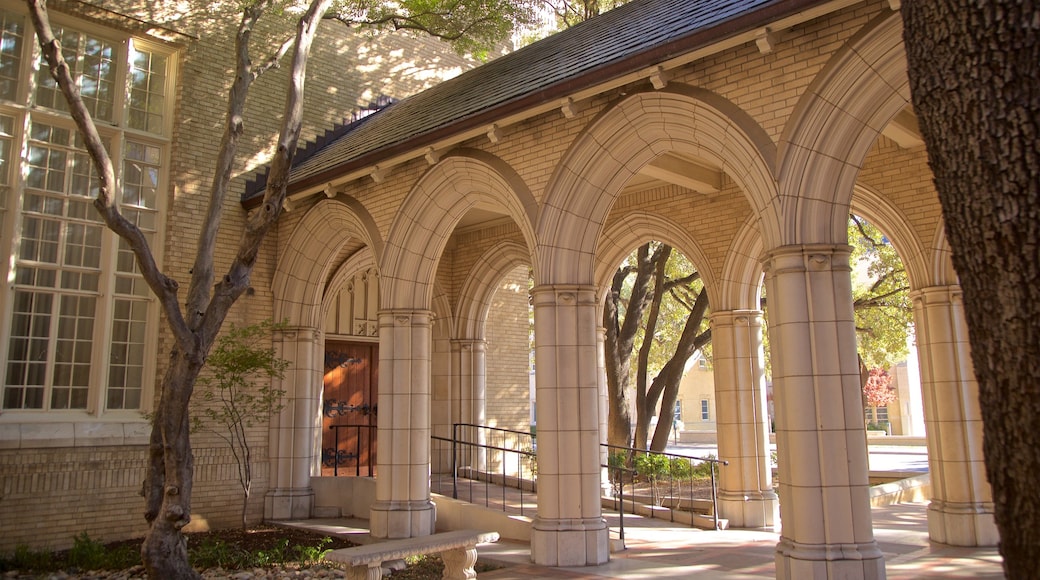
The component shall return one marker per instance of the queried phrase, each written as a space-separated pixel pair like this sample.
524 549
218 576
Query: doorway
348 423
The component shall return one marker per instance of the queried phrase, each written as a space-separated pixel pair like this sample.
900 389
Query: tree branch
164 287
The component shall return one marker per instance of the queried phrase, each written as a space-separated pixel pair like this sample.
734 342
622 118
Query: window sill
23 432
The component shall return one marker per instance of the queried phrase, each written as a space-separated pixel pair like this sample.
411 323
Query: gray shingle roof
633 36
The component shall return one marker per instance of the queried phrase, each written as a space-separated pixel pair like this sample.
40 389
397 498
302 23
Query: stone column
961 510
569 529
746 496
403 508
293 430
826 530
471 377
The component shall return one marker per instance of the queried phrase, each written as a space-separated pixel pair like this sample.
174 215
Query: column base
402 519
570 542
962 524
288 504
810 561
750 510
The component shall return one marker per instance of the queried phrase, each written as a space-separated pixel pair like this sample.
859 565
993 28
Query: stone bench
458 550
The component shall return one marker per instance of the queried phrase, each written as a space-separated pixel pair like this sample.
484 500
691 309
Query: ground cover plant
230 549
219 553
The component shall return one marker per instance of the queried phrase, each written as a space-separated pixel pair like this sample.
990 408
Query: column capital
297 333
405 317
803 257
937 295
563 294
736 318
471 344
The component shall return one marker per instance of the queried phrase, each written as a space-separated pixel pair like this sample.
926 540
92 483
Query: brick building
741 132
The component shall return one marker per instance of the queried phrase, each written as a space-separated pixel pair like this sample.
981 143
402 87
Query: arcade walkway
657 549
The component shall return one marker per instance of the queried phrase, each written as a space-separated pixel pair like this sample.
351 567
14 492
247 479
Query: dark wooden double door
348 440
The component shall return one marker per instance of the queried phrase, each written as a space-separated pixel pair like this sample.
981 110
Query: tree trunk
169 480
619 419
645 405
619 343
976 90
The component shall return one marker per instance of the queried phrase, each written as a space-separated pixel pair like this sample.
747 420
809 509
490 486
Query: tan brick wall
49 495
508 381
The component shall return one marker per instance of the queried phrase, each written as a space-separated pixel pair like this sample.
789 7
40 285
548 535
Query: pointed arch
623 139
741 283
942 271
481 284
637 228
428 216
304 265
879 211
833 127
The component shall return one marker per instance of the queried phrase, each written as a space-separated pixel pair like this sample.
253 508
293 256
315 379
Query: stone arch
637 228
479 288
430 212
833 127
879 211
741 283
363 259
299 279
942 271
618 143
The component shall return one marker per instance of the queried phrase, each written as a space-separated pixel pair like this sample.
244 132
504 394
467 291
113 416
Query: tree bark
619 343
666 383
973 69
645 407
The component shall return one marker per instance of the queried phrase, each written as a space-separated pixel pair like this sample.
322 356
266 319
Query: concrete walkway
660 550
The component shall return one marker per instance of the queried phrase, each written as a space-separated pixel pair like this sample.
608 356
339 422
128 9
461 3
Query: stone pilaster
746 496
826 529
403 508
292 446
569 529
961 510
471 385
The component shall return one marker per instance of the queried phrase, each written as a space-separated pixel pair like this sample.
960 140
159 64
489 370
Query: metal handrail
631 452
461 446
335 456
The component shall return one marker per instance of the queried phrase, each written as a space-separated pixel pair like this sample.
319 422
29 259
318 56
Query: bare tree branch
164 287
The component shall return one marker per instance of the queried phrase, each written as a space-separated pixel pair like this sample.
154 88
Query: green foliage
703 469
470 26
652 466
313 554
238 392
25 558
86 554
680 468
880 296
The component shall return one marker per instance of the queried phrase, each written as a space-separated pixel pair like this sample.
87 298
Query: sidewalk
658 549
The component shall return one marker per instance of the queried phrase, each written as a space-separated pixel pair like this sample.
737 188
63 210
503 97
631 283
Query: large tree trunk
975 81
644 405
617 368
619 343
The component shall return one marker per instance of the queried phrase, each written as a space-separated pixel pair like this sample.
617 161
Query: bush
703 469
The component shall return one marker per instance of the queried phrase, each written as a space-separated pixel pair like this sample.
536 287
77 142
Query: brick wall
508 380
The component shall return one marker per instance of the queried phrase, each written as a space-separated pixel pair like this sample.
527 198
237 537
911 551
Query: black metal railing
487 461
335 458
664 478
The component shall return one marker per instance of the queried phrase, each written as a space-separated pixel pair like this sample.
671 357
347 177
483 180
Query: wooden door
348 440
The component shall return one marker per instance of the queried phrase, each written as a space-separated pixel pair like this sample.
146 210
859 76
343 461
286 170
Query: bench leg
370 572
458 563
